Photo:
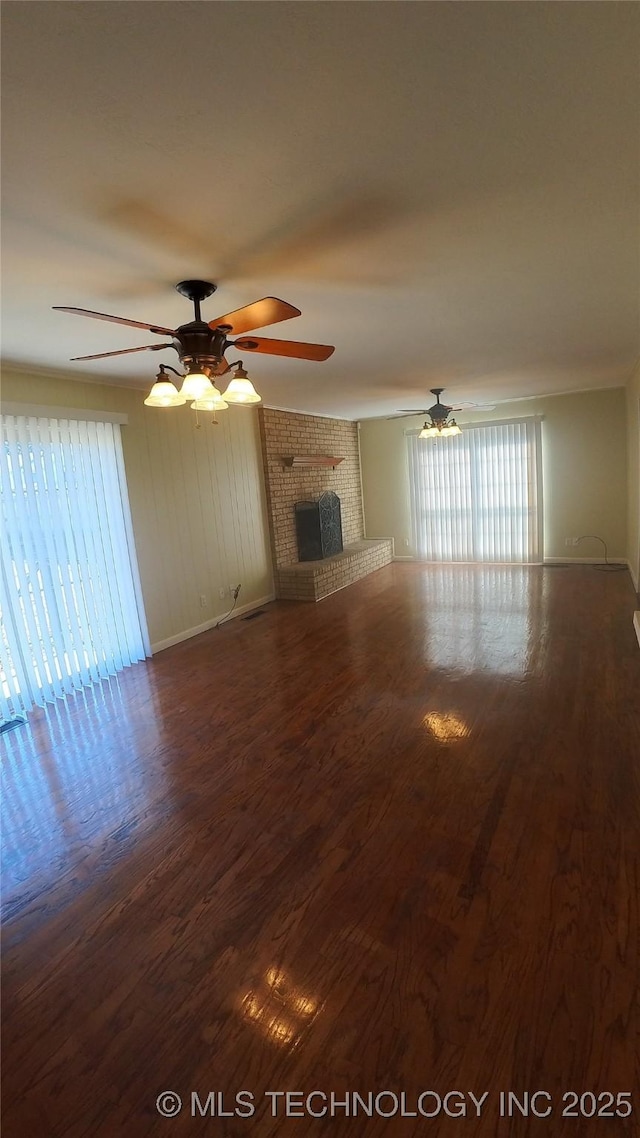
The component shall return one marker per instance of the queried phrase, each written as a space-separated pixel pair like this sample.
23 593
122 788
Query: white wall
584 439
197 499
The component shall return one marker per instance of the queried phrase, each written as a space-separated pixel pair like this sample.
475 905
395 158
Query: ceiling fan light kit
213 401
201 346
196 383
438 425
439 430
241 389
164 393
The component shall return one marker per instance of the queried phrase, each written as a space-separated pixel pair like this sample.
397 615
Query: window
71 603
478 496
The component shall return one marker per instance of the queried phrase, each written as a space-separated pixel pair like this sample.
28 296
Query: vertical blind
478 496
71 603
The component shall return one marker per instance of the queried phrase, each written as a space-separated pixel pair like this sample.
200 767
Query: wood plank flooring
386 843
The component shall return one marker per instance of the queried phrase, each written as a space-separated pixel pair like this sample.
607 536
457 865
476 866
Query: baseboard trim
401 558
189 632
636 624
634 578
584 561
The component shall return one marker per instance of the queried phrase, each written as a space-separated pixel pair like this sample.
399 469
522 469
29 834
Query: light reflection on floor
62 770
278 1008
481 622
445 726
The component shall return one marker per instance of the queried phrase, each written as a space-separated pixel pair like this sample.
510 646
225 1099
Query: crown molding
37 371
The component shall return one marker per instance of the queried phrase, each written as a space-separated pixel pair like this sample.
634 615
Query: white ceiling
448 191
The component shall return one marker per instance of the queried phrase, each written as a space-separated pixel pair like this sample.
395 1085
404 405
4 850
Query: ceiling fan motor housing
439 412
197 341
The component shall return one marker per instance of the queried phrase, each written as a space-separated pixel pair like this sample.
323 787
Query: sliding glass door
478 496
71 603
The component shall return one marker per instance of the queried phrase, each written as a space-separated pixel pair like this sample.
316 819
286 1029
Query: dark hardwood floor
389 842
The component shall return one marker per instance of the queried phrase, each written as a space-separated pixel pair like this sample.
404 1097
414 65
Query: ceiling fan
201 345
440 423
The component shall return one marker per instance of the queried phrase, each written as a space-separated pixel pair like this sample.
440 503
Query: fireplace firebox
319 527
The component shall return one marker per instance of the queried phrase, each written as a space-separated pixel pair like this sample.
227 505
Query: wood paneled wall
197 500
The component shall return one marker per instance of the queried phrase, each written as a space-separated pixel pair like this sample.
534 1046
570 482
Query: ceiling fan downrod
196 292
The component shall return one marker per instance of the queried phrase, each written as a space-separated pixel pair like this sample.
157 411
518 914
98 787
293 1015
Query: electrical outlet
406 543
222 593
203 600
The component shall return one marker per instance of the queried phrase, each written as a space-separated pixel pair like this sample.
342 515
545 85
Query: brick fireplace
285 434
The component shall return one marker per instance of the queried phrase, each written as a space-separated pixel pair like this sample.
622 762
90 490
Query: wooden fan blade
123 352
269 310
412 411
474 406
116 319
285 348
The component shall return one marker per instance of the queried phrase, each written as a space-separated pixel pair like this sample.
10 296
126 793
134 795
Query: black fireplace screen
319 527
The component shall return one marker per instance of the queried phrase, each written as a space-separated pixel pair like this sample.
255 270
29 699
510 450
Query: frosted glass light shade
444 432
164 394
212 401
241 391
196 385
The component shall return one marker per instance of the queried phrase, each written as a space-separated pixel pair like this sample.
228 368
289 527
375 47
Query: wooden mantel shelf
299 461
